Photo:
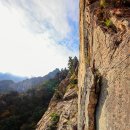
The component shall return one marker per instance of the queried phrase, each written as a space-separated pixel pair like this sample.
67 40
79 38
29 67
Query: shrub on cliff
54 120
72 64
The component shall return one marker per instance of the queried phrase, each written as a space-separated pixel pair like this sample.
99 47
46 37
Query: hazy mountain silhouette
22 86
8 76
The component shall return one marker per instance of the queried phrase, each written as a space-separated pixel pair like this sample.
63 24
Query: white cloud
25 51
47 15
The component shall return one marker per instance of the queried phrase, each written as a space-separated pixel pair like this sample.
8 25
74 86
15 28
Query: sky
37 36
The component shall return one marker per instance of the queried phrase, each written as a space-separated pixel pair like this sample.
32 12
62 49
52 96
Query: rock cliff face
104 68
62 111
103 76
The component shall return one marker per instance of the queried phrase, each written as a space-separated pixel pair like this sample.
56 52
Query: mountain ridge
9 76
26 84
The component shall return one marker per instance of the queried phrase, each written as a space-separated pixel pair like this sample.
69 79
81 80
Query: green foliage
108 22
54 120
23 111
115 3
55 117
72 64
74 81
103 3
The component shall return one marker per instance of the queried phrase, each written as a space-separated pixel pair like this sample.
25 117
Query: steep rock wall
63 108
104 71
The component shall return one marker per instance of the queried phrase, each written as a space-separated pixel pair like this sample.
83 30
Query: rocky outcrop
104 69
62 111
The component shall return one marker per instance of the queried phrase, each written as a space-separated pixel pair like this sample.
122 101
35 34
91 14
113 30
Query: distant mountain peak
9 76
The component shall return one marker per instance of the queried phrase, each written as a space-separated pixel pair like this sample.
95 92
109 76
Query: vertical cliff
103 76
104 67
